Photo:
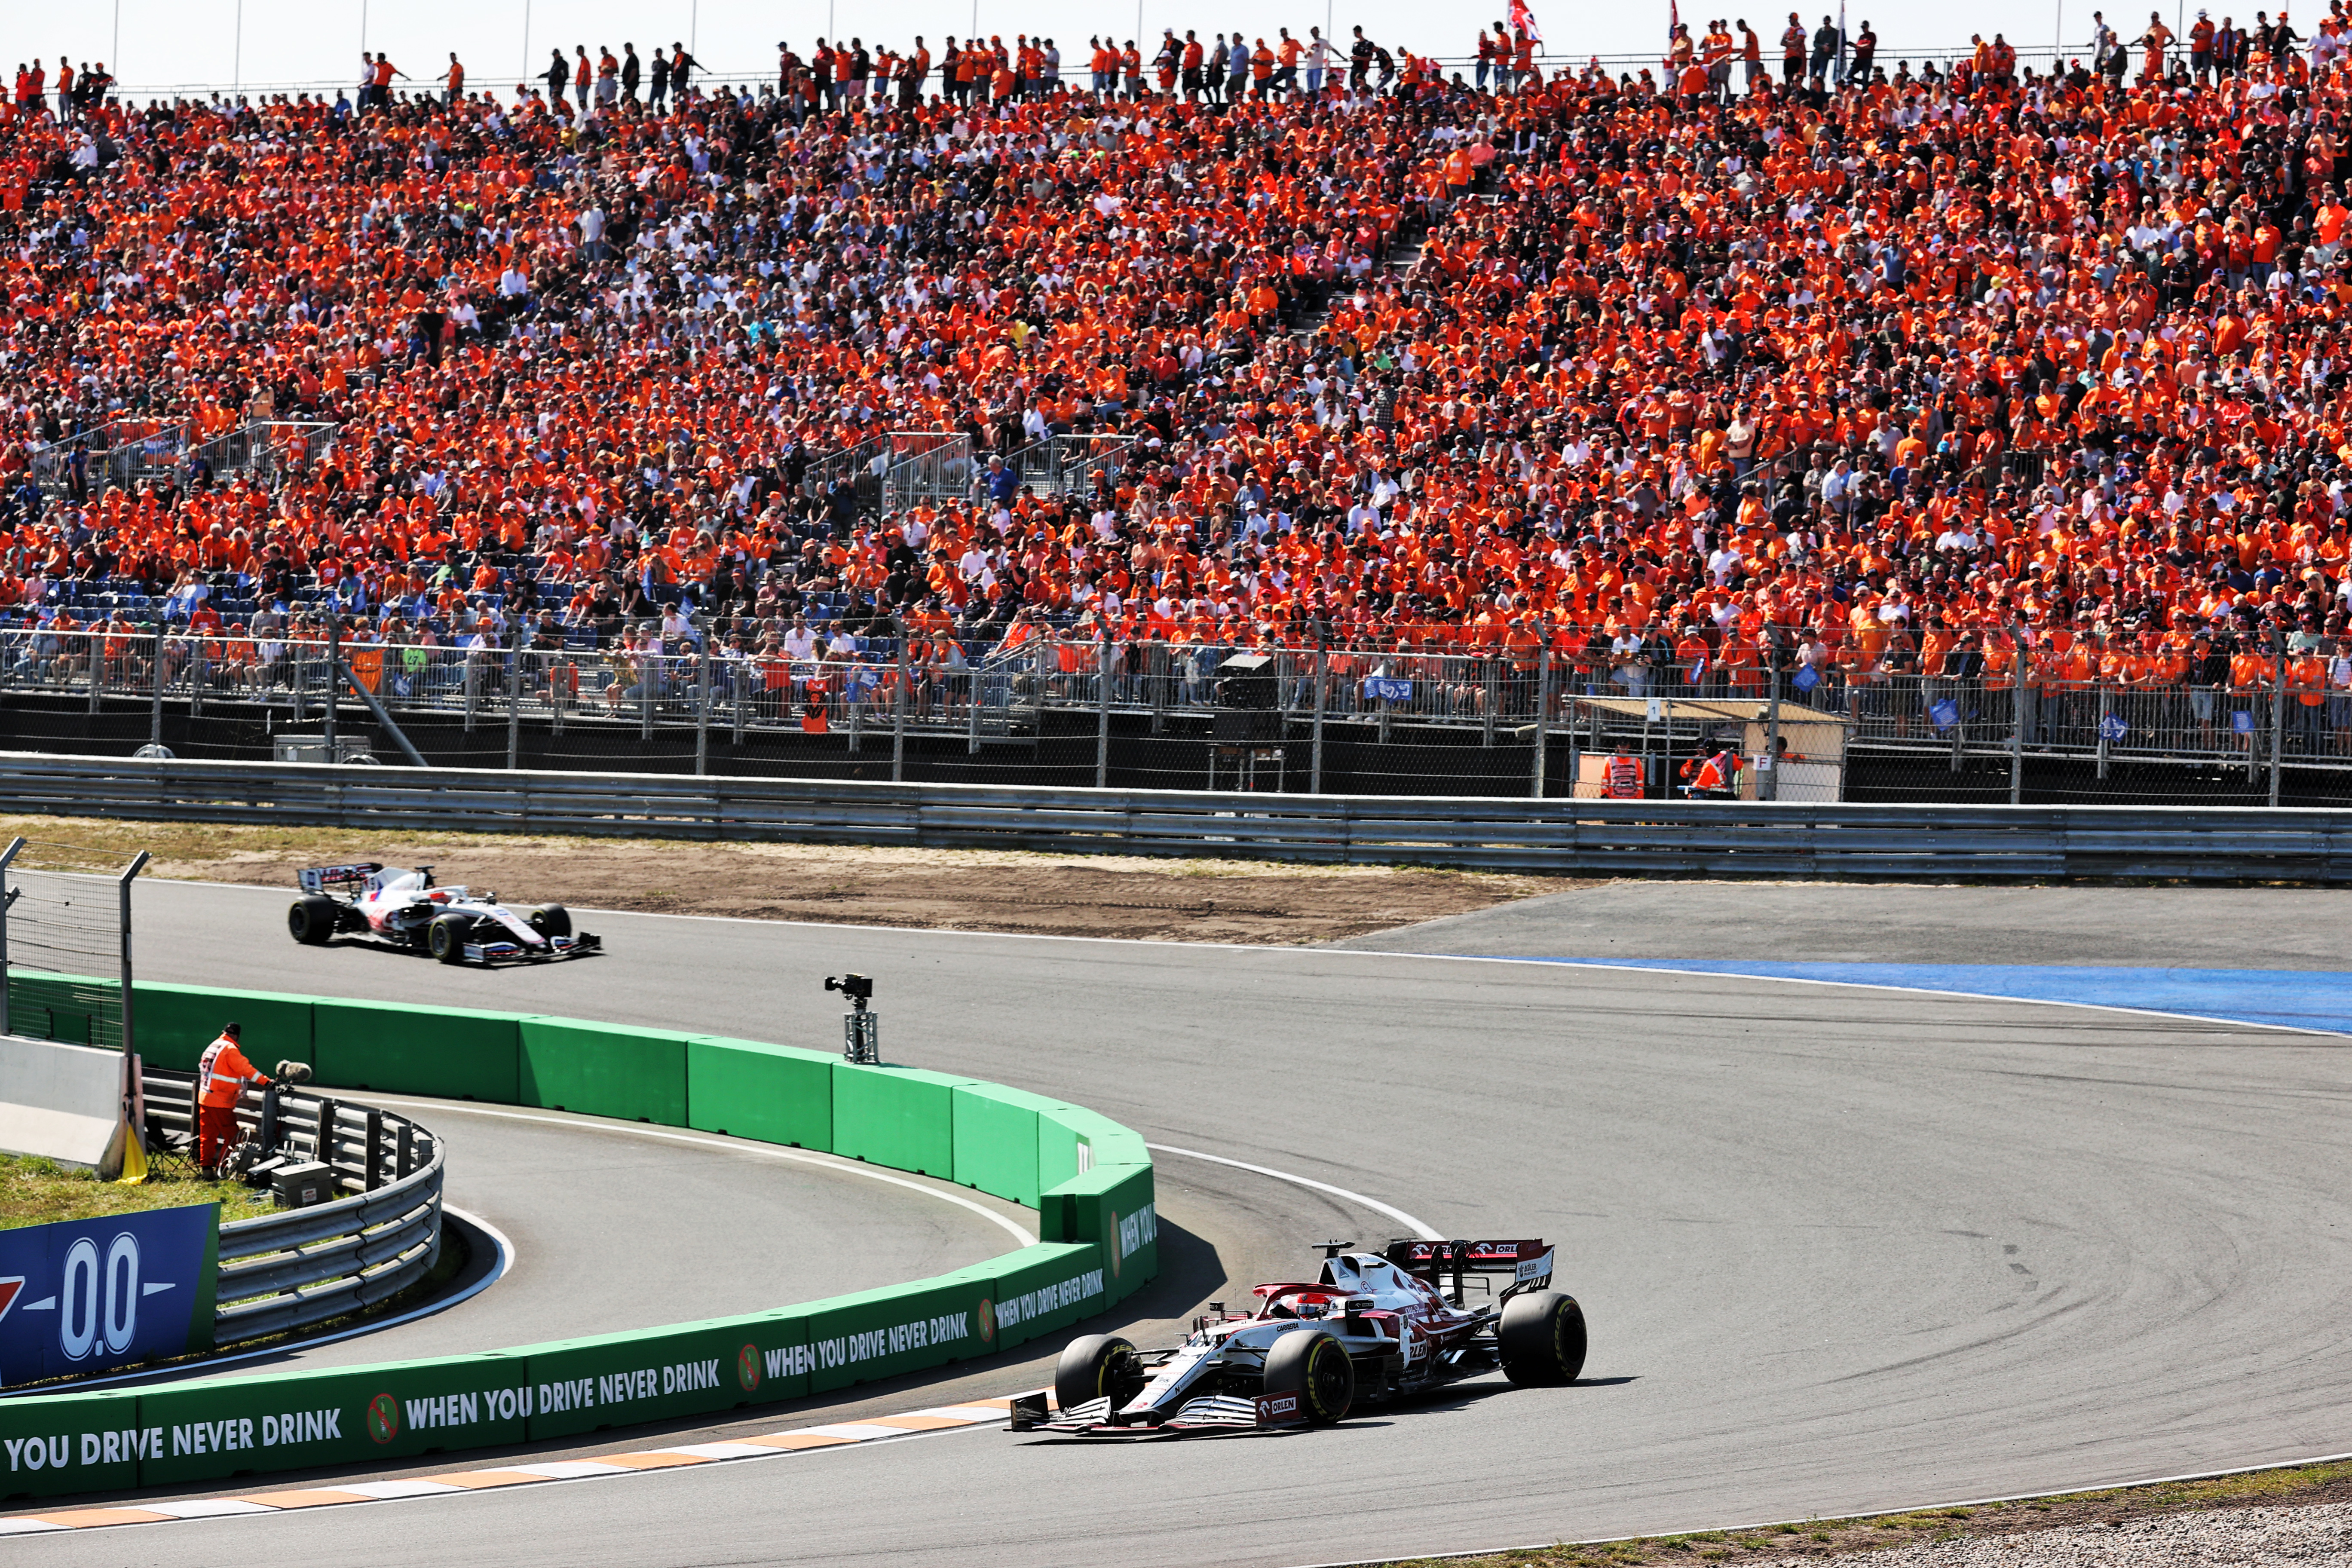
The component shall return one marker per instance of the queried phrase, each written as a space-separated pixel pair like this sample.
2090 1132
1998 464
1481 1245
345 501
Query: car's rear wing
1529 1263
335 878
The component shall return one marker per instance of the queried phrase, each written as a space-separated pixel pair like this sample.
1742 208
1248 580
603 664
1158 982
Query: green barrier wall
453 1052
996 1139
582 1386
1112 1206
748 1089
1097 1230
174 1024
901 1117
605 1069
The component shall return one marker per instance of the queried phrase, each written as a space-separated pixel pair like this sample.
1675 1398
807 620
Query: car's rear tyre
1541 1338
444 939
1097 1366
1315 1367
552 921
311 920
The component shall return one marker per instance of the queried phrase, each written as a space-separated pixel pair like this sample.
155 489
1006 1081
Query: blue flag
2113 728
1944 714
2242 724
1807 677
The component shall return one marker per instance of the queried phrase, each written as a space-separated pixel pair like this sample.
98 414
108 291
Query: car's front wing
1215 1415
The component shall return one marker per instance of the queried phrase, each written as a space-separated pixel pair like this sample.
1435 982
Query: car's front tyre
1097 1366
1541 1338
444 939
1314 1365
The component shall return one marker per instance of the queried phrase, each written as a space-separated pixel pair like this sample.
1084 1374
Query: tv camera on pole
861 1031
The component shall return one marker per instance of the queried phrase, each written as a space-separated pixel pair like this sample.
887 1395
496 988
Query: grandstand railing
125 453
923 683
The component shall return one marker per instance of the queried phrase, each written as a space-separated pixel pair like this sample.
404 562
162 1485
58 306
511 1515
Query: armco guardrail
303 1266
1089 1179
1722 839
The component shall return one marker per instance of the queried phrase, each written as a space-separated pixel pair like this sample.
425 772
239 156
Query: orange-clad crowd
1866 371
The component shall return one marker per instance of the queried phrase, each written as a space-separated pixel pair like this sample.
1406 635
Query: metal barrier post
2278 709
1543 713
514 703
469 677
370 1177
1492 691
972 715
122 892
899 716
322 1142
857 708
197 679
97 646
15 847
334 662
294 657
649 670
702 704
1158 676
2018 651
1102 712
404 1154
2106 700
156 707
1322 674
1768 771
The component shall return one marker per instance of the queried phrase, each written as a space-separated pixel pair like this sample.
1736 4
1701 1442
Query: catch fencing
1716 838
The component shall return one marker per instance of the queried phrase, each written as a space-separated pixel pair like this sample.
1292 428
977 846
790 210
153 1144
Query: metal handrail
1780 839
290 1270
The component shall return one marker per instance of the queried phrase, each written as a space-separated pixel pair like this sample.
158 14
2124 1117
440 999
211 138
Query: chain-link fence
1526 719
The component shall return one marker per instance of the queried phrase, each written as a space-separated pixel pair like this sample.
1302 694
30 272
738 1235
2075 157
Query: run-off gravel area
2224 1538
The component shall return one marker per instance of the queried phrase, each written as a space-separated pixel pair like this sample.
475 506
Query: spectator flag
2113 728
1699 671
1944 714
1524 20
2242 722
1806 679
1674 23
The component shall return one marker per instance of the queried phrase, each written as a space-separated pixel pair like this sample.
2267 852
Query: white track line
1398 1214
731 1145
214 1364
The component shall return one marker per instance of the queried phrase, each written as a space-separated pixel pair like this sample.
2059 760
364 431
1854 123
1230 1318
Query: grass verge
35 1191
2293 1485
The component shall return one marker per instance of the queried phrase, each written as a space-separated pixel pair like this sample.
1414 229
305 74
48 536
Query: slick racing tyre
1541 1338
551 920
1315 1367
444 939
311 920
1097 1366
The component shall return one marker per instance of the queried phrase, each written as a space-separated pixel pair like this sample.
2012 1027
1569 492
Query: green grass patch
35 1191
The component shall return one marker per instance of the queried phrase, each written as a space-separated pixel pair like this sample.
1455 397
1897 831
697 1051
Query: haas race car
1376 1327
402 907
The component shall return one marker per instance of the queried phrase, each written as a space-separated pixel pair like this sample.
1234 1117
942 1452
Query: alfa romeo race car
401 908
1375 1327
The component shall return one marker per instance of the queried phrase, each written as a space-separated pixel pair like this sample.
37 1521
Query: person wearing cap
2200 47
221 1073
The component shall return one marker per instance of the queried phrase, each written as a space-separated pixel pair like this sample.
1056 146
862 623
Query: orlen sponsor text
848 1350
225 1435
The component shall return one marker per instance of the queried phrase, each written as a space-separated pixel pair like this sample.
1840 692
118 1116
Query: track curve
1842 1249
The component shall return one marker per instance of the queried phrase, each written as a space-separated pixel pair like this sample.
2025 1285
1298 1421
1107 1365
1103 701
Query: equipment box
300 1186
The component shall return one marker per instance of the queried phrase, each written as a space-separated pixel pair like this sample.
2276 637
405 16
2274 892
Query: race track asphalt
1840 1248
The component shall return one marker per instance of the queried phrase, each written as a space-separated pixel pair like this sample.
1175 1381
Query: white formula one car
402 907
1375 1327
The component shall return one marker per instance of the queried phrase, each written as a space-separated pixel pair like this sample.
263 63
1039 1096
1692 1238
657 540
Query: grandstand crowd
1893 375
